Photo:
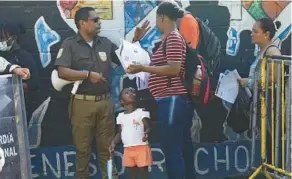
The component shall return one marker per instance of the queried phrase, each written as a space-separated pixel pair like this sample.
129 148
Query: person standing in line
133 131
87 56
12 51
14 54
263 32
175 111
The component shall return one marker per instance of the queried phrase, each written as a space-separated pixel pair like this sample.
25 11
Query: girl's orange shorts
137 156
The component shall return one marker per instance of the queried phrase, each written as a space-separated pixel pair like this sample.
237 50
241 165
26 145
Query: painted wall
221 151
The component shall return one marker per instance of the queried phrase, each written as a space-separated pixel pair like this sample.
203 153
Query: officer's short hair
82 14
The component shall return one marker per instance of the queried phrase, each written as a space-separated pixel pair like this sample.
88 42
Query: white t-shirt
90 43
132 127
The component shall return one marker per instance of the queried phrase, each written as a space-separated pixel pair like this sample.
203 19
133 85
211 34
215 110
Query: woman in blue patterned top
262 34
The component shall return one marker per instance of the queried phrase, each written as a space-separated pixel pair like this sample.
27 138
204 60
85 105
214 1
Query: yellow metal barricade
272 88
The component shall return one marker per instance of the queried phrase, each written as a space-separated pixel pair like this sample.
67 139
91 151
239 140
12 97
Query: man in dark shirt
87 56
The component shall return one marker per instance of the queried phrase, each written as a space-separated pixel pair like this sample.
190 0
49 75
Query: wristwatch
87 74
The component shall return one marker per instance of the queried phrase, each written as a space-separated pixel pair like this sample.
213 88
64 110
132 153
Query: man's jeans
175 114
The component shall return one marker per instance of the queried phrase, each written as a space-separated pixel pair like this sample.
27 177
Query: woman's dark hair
11 28
267 25
171 10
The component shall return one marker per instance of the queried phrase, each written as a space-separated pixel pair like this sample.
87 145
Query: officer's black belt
92 97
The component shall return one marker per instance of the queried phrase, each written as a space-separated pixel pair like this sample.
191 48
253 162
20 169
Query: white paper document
246 89
142 83
110 169
227 88
132 53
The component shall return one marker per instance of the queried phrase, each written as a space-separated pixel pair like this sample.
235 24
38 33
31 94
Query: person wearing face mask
14 54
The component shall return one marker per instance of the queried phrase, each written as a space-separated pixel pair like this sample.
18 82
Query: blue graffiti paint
45 37
285 33
232 42
129 23
148 42
211 161
135 11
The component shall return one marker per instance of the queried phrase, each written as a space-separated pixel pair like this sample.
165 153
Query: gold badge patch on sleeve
60 53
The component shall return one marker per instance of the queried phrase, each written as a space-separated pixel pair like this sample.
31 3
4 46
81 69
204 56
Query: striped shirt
175 52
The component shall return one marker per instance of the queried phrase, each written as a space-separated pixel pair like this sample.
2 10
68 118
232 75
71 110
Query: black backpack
240 114
209 46
192 60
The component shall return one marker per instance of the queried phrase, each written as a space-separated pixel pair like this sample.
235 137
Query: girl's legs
133 172
143 172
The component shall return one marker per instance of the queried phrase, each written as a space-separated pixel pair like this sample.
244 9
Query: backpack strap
201 35
179 74
164 53
178 23
271 45
164 47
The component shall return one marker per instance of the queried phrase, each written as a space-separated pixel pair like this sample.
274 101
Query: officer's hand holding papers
132 53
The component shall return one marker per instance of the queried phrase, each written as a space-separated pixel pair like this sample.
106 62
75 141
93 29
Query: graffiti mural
45 37
103 7
135 11
111 14
219 152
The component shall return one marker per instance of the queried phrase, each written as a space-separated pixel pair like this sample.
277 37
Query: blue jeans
175 114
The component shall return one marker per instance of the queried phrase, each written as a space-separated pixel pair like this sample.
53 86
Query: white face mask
4 47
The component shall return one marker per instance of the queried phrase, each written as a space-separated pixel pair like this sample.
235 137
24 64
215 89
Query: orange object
190 30
139 156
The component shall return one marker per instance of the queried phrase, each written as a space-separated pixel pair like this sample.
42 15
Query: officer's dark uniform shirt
77 54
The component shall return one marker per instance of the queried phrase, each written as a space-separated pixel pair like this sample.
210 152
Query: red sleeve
175 47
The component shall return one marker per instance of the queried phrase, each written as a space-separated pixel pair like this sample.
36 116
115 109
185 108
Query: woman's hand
134 68
22 72
141 31
145 137
243 82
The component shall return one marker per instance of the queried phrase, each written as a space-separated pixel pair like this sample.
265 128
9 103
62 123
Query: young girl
133 130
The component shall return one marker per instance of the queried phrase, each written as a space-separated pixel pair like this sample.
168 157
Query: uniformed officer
87 56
